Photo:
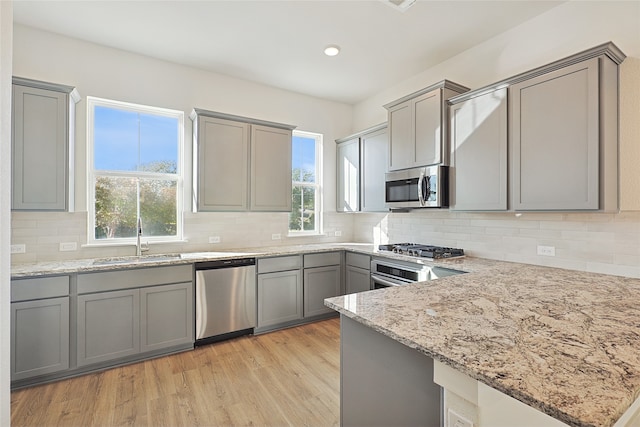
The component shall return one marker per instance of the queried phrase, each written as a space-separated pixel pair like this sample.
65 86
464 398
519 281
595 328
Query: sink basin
135 259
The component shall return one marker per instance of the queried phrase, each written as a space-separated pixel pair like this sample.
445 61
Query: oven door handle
420 187
378 279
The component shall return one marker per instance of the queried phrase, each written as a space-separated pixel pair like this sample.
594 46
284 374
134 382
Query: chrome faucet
139 234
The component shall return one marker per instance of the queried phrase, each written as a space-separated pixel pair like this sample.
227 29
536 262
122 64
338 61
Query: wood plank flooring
288 377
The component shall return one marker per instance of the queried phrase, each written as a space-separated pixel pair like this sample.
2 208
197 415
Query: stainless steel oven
387 273
425 187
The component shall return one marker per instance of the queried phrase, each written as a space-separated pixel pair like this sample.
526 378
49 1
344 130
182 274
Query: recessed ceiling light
332 50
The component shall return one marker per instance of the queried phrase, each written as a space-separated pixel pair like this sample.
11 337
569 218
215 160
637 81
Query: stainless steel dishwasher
225 299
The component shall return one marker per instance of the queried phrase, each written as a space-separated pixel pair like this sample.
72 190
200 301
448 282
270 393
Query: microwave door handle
420 188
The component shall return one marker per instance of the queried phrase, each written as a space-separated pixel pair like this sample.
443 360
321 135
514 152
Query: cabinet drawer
359 260
283 263
39 288
320 260
125 279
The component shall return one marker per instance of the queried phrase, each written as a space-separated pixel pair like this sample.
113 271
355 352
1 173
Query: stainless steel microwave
425 187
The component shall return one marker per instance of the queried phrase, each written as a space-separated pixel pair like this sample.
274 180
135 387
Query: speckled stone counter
564 342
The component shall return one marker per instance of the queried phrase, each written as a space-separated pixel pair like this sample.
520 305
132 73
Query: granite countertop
153 260
564 342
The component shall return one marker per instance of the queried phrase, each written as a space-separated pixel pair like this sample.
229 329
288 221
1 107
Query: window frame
92 173
318 185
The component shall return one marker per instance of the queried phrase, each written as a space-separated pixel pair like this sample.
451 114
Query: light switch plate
338 233
214 239
276 236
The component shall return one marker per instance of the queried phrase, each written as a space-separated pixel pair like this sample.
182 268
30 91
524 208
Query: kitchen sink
135 259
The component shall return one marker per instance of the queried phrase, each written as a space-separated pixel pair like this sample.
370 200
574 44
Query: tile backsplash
596 242
43 232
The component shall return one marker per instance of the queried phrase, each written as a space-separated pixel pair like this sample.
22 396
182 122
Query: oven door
379 282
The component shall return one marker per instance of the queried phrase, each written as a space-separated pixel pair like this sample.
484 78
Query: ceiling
281 43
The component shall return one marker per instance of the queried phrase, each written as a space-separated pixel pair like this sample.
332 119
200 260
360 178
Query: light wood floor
288 377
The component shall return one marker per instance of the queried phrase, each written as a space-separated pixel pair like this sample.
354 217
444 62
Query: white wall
607 243
562 31
110 73
6 32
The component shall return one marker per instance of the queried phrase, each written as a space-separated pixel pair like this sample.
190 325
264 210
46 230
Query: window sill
306 234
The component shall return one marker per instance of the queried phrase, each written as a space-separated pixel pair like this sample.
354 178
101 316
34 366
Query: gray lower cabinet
279 298
108 326
478 169
39 326
357 273
322 279
320 283
42 142
124 313
166 316
39 337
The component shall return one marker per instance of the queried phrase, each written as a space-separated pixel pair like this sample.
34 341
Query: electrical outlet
276 236
18 249
338 233
68 246
457 420
214 239
546 250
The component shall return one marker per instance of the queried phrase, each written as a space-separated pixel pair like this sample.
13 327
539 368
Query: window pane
308 208
115 134
116 207
295 218
158 207
303 156
158 143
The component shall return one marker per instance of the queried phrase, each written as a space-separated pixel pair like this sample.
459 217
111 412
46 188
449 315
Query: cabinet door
348 168
320 283
402 152
479 153
270 169
427 128
357 280
108 326
39 337
374 158
40 145
222 170
279 298
166 316
555 139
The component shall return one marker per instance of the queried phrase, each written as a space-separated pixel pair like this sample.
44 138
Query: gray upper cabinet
270 169
43 118
240 163
222 169
362 160
348 170
564 134
478 136
418 126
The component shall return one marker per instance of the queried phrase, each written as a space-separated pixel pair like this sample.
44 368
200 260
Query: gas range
422 251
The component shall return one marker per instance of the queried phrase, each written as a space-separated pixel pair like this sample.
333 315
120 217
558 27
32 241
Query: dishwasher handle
224 263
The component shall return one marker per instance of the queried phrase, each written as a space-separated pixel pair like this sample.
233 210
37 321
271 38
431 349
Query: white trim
178 177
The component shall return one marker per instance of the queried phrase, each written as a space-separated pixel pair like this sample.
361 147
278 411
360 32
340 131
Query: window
134 156
306 154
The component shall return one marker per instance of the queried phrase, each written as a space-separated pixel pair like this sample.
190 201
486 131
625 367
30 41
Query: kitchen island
566 343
